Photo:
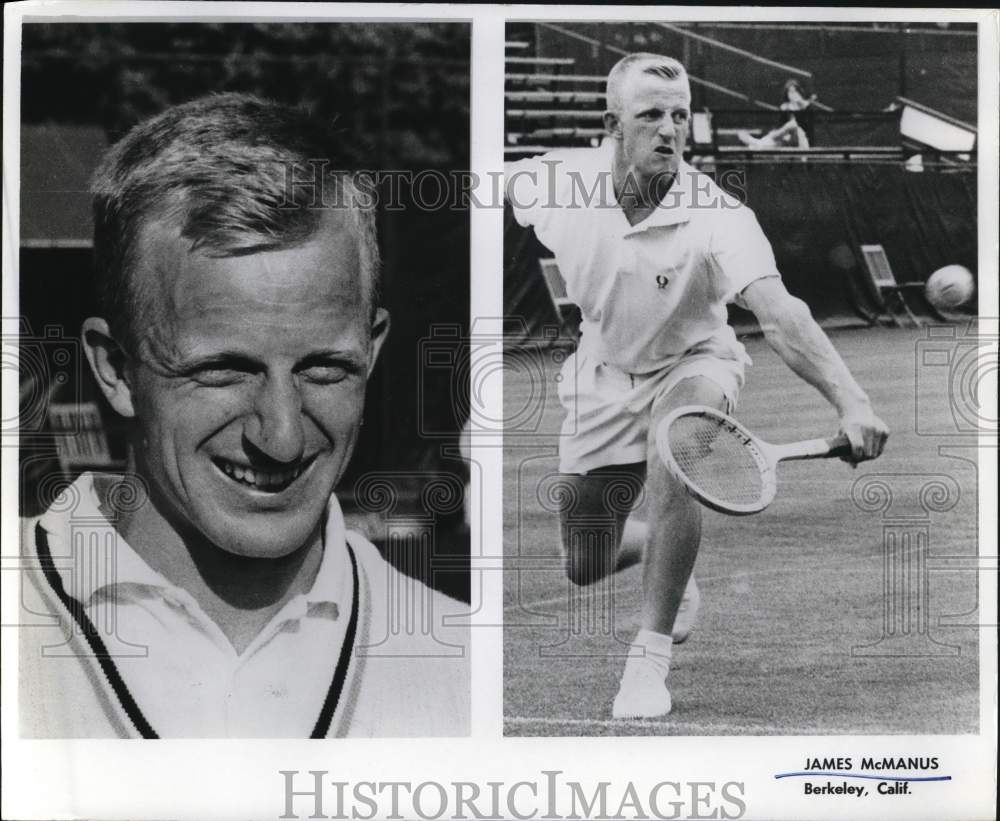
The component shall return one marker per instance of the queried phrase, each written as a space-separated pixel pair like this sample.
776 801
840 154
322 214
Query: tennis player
653 252
214 591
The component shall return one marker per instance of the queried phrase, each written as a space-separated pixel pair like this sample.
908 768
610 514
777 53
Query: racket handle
839 446
835 447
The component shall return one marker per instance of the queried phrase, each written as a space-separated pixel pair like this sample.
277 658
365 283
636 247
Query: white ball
950 286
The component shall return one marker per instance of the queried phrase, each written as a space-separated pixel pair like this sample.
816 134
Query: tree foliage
400 90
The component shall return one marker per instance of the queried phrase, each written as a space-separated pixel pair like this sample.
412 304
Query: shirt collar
76 515
77 510
333 579
674 208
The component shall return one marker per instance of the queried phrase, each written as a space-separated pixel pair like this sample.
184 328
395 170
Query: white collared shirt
651 292
183 673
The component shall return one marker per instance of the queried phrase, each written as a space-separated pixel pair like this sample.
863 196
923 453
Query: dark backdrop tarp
852 69
815 215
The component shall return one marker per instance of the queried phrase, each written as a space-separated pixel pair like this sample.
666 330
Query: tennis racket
723 465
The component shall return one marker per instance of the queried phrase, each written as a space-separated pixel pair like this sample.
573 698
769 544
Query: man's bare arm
795 336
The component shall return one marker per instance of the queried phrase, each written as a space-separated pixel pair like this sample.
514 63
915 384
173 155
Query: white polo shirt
186 678
647 293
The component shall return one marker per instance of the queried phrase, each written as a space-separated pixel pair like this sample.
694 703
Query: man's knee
692 390
585 566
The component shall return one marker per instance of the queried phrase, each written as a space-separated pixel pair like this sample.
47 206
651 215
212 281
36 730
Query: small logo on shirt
661 281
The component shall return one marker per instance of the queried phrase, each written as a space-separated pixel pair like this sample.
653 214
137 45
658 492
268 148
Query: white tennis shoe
642 693
687 613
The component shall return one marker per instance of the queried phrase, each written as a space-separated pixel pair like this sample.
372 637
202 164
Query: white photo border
241 779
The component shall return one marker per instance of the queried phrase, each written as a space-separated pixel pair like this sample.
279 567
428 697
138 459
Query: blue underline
836 774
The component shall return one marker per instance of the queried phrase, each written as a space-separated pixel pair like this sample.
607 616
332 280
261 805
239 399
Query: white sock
658 649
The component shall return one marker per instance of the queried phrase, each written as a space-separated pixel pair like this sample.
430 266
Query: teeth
260 478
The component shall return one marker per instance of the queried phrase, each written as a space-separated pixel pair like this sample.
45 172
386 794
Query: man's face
249 385
653 124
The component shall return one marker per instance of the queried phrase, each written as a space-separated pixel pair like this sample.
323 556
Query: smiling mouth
266 481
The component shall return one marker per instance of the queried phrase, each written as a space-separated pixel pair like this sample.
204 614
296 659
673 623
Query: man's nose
275 424
666 128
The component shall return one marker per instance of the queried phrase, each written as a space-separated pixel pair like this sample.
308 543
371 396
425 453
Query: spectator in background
796 126
790 135
798 108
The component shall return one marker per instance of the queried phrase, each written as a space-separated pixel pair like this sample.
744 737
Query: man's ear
107 361
380 329
612 124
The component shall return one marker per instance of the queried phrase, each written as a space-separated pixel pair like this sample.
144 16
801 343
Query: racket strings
716 459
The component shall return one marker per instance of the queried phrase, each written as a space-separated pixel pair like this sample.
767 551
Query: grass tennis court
791 596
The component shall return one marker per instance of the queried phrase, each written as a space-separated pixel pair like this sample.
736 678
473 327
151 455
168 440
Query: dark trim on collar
97 646
344 661
121 691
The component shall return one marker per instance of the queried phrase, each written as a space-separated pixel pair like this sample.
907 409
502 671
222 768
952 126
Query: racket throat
811 449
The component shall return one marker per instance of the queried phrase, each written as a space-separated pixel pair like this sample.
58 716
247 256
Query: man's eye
219 377
326 374
680 116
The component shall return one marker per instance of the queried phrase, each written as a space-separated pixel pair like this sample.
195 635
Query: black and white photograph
475 411
729 247
242 496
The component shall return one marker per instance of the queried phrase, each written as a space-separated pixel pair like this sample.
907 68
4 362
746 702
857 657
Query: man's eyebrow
352 356
186 362
236 357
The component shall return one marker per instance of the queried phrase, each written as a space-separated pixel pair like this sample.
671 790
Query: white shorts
608 410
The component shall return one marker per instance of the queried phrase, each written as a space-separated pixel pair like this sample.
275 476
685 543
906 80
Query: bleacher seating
539 61
540 79
550 106
554 85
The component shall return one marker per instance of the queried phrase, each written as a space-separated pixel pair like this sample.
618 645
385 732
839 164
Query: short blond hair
656 64
224 167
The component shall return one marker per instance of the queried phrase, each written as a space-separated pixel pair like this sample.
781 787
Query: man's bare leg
633 547
674 516
593 519
674 539
581 523
633 551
